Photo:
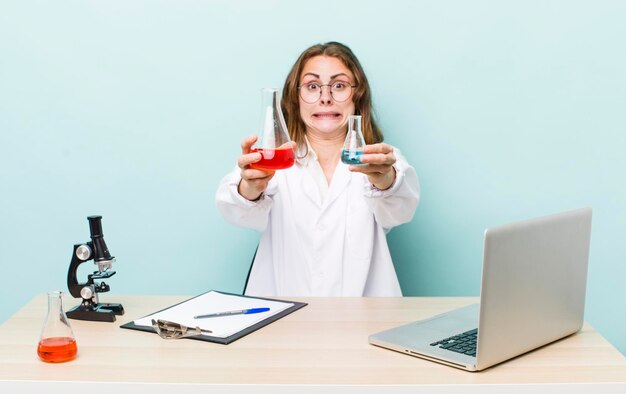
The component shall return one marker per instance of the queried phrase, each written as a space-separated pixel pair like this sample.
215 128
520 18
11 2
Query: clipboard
239 334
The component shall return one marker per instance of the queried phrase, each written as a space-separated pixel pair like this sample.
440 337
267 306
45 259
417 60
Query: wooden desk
320 347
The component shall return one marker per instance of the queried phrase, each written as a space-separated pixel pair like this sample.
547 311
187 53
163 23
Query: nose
325 95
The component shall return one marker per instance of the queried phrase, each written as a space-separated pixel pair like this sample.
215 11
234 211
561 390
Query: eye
340 85
312 87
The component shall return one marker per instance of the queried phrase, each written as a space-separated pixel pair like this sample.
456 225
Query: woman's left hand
379 169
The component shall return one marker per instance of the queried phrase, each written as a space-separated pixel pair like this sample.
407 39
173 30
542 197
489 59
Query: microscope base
96 312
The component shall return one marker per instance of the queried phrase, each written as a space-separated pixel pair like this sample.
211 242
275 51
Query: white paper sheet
213 302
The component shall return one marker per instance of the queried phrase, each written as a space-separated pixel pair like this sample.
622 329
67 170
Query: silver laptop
533 293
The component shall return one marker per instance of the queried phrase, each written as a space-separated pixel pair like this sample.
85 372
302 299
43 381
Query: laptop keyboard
463 343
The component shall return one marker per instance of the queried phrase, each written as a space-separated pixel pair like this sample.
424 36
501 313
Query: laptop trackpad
422 333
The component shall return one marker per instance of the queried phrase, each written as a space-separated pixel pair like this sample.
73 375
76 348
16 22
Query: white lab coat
334 247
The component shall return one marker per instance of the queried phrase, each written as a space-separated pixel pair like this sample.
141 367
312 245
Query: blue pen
230 313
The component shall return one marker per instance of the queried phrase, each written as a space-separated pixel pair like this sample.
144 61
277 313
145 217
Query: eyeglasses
170 330
339 90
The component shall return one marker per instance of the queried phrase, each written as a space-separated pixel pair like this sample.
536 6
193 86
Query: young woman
323 223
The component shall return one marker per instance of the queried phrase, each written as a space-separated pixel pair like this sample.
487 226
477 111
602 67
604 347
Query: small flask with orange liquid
274 145
57 343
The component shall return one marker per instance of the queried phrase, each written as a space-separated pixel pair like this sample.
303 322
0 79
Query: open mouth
327 115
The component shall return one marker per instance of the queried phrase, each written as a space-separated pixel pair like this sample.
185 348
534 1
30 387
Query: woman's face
325 115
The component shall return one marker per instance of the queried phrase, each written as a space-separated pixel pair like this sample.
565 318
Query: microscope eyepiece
95 226
101 251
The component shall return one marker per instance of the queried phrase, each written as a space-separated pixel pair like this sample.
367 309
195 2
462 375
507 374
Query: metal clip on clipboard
170 330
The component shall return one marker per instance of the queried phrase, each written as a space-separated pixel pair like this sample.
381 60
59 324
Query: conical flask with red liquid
57 343
274 144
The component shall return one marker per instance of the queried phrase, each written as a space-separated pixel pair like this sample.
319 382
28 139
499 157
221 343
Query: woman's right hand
253 182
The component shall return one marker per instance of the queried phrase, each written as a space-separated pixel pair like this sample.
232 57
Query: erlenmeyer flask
274 144
57 343
354 143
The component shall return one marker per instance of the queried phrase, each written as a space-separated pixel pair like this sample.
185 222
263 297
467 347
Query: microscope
96 250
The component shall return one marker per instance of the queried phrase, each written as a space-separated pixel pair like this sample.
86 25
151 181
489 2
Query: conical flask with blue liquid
354 143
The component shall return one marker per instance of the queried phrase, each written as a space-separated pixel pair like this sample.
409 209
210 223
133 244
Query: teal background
134 110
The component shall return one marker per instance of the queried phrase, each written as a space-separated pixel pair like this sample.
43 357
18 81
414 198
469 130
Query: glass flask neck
56 324
55 301
354 137
270 97
354 123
